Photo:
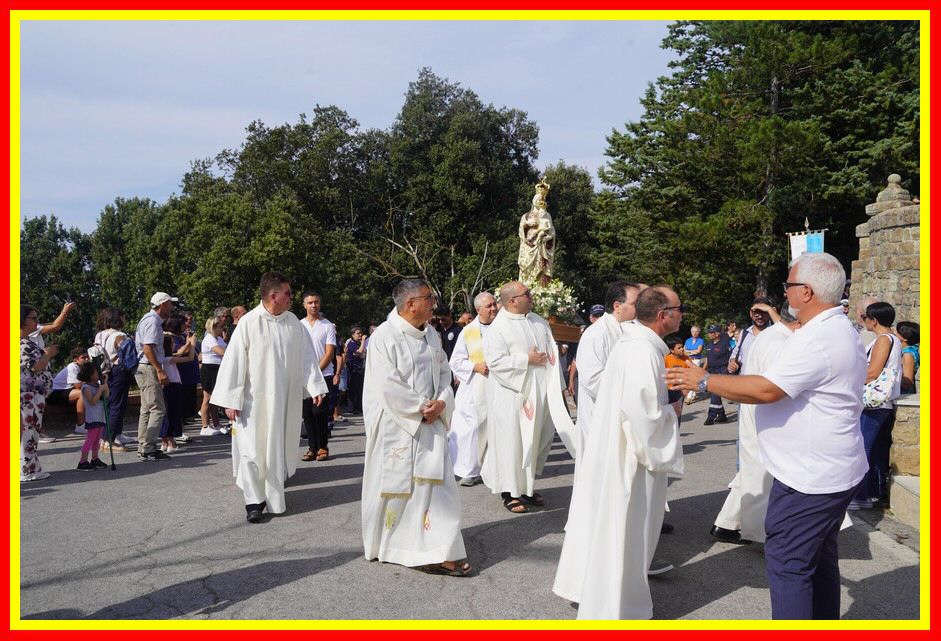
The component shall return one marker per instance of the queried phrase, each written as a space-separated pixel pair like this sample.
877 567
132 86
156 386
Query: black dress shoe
255 512
722 419
728 536
709 421
666 528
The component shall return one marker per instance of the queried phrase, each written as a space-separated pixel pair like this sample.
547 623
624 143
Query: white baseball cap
160 298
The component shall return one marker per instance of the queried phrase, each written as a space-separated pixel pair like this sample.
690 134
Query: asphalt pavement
169 540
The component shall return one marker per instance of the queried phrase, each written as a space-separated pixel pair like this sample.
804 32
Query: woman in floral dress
35 384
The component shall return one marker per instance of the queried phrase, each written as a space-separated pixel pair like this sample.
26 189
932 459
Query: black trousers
316 420
354 391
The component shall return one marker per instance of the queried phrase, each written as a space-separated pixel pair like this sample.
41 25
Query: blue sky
120 109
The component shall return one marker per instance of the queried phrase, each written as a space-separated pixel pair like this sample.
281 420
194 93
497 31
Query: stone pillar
889 269
889 257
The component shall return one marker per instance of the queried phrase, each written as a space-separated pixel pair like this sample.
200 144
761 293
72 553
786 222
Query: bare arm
59 322
756 390
908 373
878 358
327 356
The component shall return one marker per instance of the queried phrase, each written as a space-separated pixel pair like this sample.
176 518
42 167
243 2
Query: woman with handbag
883 386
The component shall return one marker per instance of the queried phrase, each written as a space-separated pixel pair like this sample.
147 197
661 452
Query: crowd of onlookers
98 379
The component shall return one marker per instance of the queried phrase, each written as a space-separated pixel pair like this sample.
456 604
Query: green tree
54 269
760 125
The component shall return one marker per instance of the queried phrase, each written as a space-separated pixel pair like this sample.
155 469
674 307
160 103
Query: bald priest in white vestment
268 369
410 505
468 436
524 400
633 445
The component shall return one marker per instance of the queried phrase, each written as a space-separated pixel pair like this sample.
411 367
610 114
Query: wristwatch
702 384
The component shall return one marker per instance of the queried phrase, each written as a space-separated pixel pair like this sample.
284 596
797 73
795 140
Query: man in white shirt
323 335
66 388
468 436
810 401
151 377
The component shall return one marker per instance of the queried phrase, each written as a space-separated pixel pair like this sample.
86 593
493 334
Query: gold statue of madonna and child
537 240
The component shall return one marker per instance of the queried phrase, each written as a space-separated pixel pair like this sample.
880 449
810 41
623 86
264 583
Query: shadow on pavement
202 597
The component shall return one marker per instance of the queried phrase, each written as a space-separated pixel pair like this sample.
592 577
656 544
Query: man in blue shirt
717 353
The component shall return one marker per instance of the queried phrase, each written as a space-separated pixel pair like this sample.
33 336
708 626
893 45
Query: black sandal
510 503
536 499
461 568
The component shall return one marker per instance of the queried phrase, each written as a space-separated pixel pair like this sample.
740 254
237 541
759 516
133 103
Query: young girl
93 392
910 335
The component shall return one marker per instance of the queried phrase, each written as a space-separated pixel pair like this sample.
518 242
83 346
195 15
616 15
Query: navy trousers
801 552
876 426
119 382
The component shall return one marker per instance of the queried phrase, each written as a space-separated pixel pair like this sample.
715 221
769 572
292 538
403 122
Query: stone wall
906 437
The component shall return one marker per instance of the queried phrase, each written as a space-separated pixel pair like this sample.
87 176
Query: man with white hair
468 436
524 400
151 377
809 403
411 508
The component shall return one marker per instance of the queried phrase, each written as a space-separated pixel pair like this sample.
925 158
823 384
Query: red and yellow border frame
18 12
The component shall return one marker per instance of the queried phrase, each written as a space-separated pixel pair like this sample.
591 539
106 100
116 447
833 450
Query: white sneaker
171 448
47 439
163 447
225 429
124 439
209 431
182 439
80 429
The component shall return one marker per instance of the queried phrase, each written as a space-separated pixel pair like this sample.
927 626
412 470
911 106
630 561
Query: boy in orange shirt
676 358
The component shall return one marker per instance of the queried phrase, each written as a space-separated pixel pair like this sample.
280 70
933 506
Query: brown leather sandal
322 454
308 456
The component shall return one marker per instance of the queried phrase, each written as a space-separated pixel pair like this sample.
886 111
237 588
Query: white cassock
747 503
593 349
617 506
468 436
269 367
411 508
524 403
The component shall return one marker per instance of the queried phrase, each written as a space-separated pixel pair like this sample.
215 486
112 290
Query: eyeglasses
788 285
527 294
426 297
680 308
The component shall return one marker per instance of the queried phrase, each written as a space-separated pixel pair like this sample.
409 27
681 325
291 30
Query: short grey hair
823 273
785 313
481 299
407 288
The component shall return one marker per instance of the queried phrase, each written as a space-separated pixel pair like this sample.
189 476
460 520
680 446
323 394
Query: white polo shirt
322 333
810 440
67 377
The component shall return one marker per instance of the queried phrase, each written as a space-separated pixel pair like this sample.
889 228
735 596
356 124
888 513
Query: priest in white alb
742 517
269 367
468 436
595 346
633 446
411 509
524 400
